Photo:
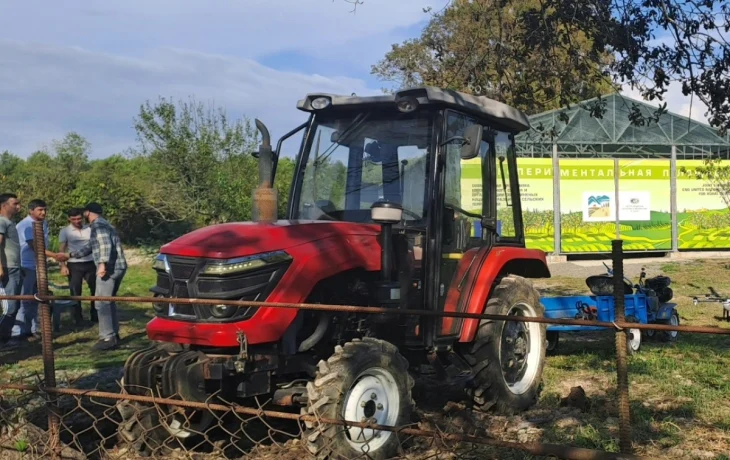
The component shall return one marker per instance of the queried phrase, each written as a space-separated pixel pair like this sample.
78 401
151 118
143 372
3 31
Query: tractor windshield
352 160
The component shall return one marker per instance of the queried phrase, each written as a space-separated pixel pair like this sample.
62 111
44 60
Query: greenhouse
586 181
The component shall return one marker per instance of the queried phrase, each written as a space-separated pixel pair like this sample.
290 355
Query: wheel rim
520 350
635 340
374 397
674 321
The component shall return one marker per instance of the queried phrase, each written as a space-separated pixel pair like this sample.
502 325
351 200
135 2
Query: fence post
49 365
624 419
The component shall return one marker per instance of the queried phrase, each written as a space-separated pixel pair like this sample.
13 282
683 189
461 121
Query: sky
87 66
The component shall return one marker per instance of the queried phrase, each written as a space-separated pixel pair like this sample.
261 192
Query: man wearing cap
106 247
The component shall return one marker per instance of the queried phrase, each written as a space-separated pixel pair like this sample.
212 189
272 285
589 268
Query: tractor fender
665 312
499 262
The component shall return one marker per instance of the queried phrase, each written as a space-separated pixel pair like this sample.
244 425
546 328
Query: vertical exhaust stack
264 197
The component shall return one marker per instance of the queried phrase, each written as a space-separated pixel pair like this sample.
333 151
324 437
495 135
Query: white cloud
48 91
87 66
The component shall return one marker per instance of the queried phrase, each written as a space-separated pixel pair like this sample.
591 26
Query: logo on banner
598 207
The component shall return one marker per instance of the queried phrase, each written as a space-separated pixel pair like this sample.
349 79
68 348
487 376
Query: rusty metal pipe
381 310
49 365
533 448
622 371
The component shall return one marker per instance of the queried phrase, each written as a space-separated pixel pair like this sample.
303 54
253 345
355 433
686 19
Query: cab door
466 198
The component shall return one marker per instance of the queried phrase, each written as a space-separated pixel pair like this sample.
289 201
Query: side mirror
472 142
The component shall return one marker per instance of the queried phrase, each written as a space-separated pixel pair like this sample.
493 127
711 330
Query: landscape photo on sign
536 196
597 207
703 216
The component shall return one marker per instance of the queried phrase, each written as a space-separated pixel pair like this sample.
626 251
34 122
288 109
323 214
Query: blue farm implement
646 302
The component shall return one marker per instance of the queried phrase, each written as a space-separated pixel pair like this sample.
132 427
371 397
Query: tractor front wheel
507 358
671 336
363 381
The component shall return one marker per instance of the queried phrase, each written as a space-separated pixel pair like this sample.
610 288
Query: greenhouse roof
615 129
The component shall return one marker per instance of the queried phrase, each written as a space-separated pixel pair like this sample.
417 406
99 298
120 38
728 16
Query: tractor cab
439 165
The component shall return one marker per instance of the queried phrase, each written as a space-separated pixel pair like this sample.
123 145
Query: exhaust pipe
264 198
312 340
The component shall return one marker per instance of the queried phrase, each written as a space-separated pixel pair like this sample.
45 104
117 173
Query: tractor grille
186 281
182 271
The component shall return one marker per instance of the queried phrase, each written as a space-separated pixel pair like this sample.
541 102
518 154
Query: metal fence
41 418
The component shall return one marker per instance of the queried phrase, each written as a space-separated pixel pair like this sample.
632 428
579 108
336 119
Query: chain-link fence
116 425
40 417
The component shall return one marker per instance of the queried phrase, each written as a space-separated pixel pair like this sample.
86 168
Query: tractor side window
464 199
503 167
325 175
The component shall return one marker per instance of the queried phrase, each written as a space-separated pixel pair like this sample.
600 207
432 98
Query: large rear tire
363 380
507 358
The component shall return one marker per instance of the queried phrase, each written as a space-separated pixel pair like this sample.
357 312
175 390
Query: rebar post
49 365
622 372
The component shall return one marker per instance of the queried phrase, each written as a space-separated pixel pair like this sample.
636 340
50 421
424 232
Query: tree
202 161
652 45
476 46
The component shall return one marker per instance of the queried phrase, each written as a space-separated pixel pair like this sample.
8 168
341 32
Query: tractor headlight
407 104
160 263
223 311
244 264
321 102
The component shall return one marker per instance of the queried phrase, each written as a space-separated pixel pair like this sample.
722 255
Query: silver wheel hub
374 398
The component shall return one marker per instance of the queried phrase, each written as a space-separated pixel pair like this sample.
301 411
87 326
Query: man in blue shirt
27 317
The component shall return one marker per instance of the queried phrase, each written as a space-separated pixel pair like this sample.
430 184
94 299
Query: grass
72 346
679 392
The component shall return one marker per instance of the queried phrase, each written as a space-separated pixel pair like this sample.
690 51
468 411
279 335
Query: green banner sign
703 217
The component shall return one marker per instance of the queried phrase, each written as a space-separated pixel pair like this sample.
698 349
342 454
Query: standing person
111 266
27 319
74 237
10 277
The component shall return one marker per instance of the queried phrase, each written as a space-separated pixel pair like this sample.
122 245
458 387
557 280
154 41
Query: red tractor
394 203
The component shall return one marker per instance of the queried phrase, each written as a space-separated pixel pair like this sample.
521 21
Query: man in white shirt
73 238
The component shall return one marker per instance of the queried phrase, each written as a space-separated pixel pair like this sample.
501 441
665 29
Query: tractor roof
478 106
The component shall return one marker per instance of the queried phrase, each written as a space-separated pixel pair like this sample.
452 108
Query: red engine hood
240 239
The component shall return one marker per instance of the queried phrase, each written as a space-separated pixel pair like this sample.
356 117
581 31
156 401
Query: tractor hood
239 239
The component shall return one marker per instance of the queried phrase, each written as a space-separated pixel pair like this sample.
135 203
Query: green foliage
479 46
192 167
21 445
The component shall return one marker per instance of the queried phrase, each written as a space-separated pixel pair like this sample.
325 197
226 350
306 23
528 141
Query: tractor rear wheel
364 380
507 358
